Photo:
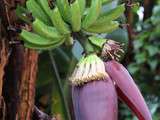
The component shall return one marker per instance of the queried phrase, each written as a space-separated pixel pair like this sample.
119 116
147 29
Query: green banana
63 6
33 38
75 16
111 15
104 23
93 13
45 31
44 47
82 5
58 22
44 4
104 28
36 11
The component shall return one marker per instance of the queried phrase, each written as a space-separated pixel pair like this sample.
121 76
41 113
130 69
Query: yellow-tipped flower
89 68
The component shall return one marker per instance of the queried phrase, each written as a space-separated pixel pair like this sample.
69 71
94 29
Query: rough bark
12 78
20 72
3 62
27 85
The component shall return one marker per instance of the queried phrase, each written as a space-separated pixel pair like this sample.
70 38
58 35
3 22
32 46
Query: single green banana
33 38
82 5
104 28
93 13
63 6
58 22
45 31
44 47
37 11
111 15
75 16
45 5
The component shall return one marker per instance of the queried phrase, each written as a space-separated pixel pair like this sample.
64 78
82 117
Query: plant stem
88 48
60 85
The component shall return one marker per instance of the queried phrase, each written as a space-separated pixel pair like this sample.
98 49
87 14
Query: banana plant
96 81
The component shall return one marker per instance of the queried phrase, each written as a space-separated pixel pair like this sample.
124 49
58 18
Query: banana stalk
127 90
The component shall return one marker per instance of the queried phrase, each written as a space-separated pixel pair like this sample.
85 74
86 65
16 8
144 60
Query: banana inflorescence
54 26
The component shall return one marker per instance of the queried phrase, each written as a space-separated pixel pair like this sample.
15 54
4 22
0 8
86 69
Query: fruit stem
88 48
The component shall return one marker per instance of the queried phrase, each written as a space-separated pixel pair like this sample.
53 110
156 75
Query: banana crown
64 18
88 69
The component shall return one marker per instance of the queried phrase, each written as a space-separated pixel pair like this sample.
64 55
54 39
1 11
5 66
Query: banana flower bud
93 92
96 86
96 100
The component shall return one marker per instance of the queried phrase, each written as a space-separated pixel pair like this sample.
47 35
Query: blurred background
142 58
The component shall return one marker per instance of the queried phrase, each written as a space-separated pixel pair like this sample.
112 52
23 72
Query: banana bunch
51 27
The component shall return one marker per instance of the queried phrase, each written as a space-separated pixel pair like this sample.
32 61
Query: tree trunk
27 85
18 68
148 7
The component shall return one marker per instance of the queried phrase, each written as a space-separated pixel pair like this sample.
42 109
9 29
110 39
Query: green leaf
140 58
138 44
156 15
152 50
153 64
133 68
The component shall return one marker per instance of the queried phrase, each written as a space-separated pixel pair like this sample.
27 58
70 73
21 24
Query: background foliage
141 58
